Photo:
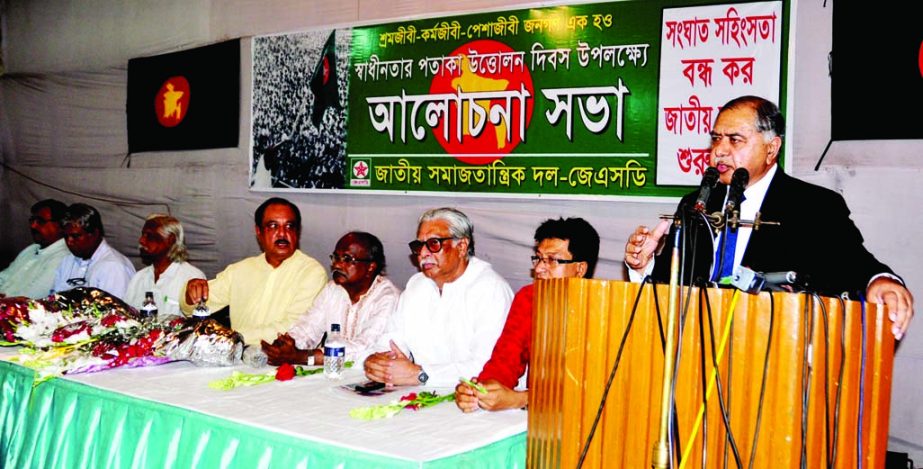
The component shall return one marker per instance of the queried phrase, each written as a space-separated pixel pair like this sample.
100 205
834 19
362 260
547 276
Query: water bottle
334 353
148 308
201 311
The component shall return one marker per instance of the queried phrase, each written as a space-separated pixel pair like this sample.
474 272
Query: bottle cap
334 327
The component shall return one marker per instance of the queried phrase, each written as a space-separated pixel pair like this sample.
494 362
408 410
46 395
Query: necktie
724 255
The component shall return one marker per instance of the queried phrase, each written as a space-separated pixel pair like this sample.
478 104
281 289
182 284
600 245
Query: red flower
411 397
285 372
110 320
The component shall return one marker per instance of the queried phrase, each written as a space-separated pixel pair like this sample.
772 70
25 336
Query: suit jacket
816 238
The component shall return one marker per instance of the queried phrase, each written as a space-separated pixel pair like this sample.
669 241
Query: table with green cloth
168 417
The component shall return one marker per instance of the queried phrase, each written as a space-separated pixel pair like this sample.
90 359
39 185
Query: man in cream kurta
267 292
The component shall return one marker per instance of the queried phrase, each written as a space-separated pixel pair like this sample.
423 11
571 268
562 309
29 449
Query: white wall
62 134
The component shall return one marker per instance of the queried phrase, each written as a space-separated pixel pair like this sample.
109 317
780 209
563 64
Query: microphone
751 281
709 179
739 181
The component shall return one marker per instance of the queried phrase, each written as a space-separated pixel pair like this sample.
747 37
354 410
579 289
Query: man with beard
162 248
359 298
451 312
266 293
92 262
32 272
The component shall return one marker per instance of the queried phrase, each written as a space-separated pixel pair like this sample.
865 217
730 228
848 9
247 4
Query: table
167 416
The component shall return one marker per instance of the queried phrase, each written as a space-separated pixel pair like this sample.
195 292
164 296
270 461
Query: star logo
361 169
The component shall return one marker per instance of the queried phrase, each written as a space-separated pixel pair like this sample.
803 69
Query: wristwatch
422 377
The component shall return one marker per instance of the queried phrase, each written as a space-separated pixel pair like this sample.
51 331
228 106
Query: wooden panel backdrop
579 325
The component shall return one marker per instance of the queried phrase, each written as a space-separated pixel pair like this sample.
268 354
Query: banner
185 100
559 101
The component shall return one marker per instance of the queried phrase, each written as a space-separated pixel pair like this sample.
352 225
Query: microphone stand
661 451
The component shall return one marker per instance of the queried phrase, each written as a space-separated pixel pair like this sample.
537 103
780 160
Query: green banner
609 99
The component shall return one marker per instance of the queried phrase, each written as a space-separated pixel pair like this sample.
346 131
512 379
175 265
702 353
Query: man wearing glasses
451 312
563 248
92 262
32 272
266 293
360 298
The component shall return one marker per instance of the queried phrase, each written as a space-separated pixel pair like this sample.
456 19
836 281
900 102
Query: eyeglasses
76 282
552 262
433 244
347 259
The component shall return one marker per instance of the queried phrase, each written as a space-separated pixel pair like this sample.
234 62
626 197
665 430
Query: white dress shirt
107 269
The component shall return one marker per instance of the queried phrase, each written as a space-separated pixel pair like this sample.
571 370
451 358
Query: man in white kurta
32 272
358 297
451 313
162 247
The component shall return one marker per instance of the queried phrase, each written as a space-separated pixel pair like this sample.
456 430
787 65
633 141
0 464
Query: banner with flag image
299 115
324 81
185 100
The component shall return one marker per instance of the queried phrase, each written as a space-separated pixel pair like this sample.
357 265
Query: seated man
162 247
91 262
450 314
359 298
32 272
563 248
269 291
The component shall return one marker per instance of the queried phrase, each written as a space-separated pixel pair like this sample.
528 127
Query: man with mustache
816 236
92 261
451 312
266 293
360 298
32 272
162 247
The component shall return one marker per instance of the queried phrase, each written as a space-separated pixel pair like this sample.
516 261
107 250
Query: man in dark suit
816 237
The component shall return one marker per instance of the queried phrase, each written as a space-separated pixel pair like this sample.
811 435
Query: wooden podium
827 384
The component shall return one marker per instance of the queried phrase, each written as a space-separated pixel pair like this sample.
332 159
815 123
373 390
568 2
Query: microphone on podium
709 179
739 181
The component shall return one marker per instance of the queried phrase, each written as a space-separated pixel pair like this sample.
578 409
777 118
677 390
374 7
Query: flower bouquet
86 330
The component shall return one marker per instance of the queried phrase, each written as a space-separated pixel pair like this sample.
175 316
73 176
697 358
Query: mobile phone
369 386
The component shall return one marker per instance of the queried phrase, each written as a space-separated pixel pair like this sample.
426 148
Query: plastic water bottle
148 308
334 353
254 356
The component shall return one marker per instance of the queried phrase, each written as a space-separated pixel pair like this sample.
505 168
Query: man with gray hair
451 313
162 247
92 262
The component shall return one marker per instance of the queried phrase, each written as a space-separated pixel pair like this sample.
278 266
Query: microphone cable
724 407
839 383
808 317
615 367
824 320
759 411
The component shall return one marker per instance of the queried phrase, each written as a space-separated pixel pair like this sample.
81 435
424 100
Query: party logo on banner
361 172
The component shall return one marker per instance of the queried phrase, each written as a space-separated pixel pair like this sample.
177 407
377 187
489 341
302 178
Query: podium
824 396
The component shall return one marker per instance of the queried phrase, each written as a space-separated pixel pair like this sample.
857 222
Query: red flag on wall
185 100
324 81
